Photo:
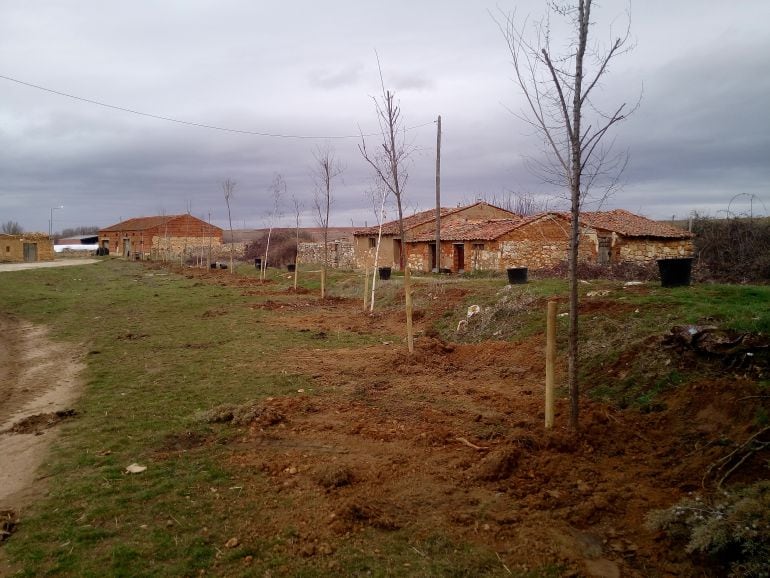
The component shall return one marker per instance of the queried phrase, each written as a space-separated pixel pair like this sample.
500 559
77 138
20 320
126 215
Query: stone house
26 248
542 241
163 236
420 225
621 237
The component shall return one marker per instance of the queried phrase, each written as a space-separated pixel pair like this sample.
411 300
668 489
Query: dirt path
45 264
38 381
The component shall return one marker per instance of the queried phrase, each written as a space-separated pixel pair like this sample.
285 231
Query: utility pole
437 260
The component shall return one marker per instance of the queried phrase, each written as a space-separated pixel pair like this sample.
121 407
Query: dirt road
5 267
38 378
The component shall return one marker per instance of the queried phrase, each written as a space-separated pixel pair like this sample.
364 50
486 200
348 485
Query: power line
195 124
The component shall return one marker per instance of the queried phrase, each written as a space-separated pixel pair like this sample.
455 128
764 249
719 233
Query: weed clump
251 412
733 529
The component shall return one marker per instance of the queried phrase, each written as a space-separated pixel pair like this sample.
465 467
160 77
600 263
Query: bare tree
326 169
379 196
228 188
389 164
297 212
11 228
277 189
558 91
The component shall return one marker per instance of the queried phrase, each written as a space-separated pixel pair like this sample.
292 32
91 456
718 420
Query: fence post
550 361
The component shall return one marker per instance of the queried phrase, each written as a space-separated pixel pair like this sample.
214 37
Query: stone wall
341 254
649 250
543 243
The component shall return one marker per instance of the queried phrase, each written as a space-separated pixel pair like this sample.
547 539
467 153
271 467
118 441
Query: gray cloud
699 138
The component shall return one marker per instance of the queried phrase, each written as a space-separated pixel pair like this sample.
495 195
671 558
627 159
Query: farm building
542 241
420 224
25 248
164 236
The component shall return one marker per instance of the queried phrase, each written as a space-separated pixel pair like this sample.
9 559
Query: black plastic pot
223 265
675 272
213 265
384 273
517 275
291 267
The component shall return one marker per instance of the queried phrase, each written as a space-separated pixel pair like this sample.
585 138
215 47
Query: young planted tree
277 189
326 169
228 188
558 90
379 198
389 165
297 212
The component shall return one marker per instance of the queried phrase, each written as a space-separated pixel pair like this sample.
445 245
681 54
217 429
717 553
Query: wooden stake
408 296
550 361
366 287
296 272
323 282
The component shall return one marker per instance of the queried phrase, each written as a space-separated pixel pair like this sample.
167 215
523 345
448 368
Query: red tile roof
486 230
140 223
631 225
391 227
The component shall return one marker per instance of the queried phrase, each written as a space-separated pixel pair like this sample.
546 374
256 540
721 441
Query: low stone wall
341 254
649 250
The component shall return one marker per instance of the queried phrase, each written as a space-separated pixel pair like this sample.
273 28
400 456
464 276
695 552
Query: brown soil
450 440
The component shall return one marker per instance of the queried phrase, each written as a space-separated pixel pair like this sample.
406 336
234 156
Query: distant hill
249 235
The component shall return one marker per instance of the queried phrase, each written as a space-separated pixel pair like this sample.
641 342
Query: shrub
283 246
734 249
734 528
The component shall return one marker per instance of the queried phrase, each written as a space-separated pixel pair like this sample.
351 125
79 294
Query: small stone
291 471
248 560
232 543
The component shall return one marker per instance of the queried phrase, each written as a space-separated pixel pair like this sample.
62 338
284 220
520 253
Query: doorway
458 258
434 265
126 247
30 252
605 243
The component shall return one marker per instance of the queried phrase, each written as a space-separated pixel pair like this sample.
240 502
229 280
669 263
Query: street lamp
50 221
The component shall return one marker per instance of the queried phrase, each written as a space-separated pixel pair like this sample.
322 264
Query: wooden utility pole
437 261
550 361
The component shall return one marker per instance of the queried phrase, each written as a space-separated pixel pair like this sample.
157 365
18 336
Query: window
372 242
7 248
478 246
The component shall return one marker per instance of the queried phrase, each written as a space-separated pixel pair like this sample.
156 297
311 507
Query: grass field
162 349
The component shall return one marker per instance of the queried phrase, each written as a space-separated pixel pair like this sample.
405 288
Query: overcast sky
700 137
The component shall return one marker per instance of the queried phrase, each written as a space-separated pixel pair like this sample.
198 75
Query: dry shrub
283 246
733 529
617 271
734 249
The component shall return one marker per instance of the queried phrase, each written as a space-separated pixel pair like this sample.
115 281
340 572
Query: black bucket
675 272
517 275
258 263
213 265
384 273
291 267
223 265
